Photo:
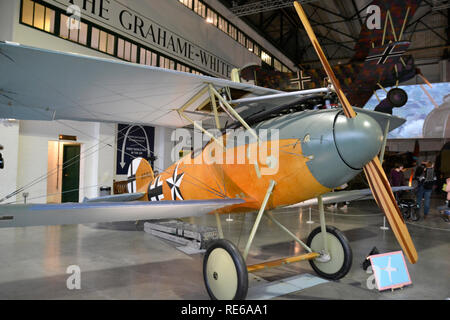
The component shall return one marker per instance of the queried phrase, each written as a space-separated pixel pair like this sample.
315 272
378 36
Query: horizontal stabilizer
116 198
383 118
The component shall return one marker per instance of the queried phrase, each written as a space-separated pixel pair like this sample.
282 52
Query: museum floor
118 264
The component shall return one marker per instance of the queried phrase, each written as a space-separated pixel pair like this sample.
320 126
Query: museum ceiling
338 25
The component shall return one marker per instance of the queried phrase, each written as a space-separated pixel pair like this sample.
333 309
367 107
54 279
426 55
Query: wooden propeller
378 181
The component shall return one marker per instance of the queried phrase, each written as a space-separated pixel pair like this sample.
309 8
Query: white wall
9 139
33 158
106 153
7 19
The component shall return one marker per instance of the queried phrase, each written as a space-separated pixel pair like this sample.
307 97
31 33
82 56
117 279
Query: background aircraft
380 61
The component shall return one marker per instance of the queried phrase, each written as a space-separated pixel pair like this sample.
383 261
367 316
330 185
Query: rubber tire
406 212
348 255
397 92
239 263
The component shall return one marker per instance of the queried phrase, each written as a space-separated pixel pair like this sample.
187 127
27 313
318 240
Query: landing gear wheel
397 97
225 272
339 251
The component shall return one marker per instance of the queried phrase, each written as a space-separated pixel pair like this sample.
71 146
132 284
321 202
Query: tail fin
394 16
140 174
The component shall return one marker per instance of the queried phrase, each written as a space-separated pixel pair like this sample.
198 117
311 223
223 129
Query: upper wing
78 213
342 196
38 84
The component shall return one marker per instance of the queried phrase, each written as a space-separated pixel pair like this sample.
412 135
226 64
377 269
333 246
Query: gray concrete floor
120 264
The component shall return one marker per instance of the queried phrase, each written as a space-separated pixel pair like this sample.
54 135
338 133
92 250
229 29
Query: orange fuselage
189 179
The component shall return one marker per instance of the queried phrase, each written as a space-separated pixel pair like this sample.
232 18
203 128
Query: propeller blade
348 110
385 199
378 181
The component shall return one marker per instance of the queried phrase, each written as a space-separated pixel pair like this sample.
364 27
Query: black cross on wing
388 53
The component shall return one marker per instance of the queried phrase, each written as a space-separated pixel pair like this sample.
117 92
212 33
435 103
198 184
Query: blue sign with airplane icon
390 270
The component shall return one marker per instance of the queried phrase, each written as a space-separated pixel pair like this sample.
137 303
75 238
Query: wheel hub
324 256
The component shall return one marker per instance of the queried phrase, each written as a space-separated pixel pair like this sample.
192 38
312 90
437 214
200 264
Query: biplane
380 61
312 153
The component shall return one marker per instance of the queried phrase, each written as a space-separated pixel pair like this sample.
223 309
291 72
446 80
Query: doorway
71 173
64 172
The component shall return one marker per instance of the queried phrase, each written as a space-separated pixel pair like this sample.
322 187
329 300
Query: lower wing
342 196
94 212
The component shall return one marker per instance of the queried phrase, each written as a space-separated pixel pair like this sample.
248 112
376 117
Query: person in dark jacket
396 176
397 179
426 179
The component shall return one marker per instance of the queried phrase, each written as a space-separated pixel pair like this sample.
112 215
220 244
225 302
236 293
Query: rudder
140 174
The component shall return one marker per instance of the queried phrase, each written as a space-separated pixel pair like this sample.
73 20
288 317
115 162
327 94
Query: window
148 57
256 49
187 3
197 72
232 31
223 24
277 65
127 51
211 17
38 16
182 68
241 38
73 30
166 63
200 8
266 58
220 22
250 45
103 41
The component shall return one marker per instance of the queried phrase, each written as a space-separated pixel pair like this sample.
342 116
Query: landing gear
397 97
225 272
335 262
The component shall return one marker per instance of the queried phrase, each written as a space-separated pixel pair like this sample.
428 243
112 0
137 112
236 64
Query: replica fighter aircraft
313 153
380 61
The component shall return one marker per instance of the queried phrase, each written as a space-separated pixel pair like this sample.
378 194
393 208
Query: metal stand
219 225
323 224
25 196
384 227
229 219
309 221
258 218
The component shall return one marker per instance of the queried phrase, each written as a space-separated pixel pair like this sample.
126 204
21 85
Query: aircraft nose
357 139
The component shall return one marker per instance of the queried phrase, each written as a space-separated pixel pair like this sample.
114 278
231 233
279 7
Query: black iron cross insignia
155 192
174 183
388 53
300 80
